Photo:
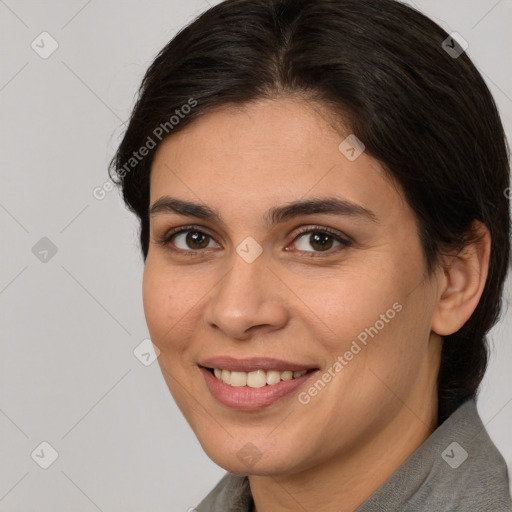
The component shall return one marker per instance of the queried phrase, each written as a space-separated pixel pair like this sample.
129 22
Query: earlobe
462 285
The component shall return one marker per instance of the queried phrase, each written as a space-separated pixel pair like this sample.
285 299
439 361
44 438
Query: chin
252 458
260 468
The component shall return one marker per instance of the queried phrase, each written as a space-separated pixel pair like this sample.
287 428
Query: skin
333 452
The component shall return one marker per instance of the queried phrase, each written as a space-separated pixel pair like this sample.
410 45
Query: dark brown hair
424 113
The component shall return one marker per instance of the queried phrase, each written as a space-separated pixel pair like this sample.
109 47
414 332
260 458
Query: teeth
226 376
273 377
257 378
238 379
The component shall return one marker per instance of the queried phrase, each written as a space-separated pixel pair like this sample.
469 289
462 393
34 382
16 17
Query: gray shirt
457 469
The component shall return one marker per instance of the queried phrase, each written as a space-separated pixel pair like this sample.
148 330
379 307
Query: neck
346 480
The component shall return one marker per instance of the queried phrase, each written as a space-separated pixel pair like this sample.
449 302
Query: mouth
255 383
256 378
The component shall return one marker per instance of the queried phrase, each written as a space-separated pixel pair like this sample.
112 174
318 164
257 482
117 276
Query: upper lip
254 363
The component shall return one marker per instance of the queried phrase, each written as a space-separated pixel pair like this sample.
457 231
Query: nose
247 300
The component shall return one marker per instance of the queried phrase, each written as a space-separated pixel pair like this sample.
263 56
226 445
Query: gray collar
457 469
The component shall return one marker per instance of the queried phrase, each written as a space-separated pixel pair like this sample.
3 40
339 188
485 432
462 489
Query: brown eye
196 240
320 240
188 240
191 239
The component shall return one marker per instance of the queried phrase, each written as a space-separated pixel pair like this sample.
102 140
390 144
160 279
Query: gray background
69 325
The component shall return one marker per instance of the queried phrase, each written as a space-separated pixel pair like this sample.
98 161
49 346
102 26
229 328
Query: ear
462 284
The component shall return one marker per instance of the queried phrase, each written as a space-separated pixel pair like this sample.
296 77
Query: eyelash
167 238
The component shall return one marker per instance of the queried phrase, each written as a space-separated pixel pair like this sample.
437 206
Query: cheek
346 305
168 305
370 320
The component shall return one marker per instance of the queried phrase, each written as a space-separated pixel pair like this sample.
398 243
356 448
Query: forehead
267 153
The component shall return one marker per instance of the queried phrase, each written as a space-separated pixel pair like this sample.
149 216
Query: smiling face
251 277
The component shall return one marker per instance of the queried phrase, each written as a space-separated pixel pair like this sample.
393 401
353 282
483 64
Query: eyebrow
274 216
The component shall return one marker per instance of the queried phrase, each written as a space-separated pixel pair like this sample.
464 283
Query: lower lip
245 398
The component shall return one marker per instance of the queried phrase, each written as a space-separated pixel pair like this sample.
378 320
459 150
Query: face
253 284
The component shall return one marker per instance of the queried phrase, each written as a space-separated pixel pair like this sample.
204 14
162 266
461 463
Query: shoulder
471 473
458 468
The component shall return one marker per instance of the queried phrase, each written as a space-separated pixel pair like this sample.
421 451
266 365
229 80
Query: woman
321 192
